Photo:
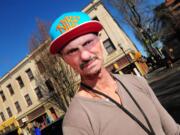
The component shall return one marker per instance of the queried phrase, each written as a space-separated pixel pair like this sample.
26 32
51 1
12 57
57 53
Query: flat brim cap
66 28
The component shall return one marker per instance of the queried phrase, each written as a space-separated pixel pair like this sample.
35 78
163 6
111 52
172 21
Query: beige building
120 53
22 98
20 95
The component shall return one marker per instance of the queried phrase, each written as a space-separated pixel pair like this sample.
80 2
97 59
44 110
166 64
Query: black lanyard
149 132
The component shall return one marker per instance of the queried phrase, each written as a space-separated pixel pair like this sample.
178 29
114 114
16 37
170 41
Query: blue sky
18 22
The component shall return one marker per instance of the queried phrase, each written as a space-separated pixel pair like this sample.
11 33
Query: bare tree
165 23
136 14
57 81
39 36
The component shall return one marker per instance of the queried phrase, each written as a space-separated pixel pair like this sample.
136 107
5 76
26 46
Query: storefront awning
9 122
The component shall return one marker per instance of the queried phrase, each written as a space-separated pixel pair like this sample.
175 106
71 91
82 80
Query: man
105 104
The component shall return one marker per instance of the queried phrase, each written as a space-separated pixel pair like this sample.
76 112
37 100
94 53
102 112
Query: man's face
84 54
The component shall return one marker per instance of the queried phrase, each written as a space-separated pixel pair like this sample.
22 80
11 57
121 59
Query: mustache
84 63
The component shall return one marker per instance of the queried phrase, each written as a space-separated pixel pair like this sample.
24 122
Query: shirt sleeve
76 120
169 125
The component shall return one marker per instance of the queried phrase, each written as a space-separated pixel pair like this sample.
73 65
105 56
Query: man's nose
85 54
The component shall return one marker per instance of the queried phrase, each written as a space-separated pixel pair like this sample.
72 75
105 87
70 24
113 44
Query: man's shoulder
128 78
133 82
75 110
76 119
75 105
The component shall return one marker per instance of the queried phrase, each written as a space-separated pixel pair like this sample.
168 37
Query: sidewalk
162 72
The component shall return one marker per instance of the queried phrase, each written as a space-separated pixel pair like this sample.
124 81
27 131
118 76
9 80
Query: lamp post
120 46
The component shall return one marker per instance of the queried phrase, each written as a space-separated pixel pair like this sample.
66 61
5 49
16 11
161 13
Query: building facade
21 98
120 52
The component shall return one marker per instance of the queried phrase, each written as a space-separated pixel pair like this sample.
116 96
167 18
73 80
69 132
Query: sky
18 23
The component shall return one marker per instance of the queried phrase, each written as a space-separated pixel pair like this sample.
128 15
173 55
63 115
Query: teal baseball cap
70 26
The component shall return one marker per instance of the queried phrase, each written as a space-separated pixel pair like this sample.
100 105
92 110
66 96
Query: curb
167 73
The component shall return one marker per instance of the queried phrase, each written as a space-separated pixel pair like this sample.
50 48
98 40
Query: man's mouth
88 62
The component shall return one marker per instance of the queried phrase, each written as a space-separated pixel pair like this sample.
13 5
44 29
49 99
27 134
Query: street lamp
120 46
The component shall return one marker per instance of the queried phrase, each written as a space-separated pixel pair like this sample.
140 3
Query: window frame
110 45
49 85
20 81
28 99
3 97
29 74
38 92
9 112
2 116
10 88
18 107
40 66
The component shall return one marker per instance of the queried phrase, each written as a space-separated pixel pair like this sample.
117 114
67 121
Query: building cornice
22 62
90 7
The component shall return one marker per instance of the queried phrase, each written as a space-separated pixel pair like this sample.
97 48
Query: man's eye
71 51
87 43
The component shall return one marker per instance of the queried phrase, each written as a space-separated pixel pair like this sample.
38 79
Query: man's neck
103 81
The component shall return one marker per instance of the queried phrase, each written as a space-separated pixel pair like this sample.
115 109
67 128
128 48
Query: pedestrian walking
37 130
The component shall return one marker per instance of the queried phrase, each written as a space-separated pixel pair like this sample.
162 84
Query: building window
2 96
30 74
9 112
109 46
38 93
18 107
49 85
2 116
95 18
20 81
28 100
40 67
53 113
11 91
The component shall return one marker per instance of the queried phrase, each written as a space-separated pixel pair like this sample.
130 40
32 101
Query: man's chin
91 74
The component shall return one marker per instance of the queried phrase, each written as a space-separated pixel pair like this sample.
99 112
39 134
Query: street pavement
166 85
